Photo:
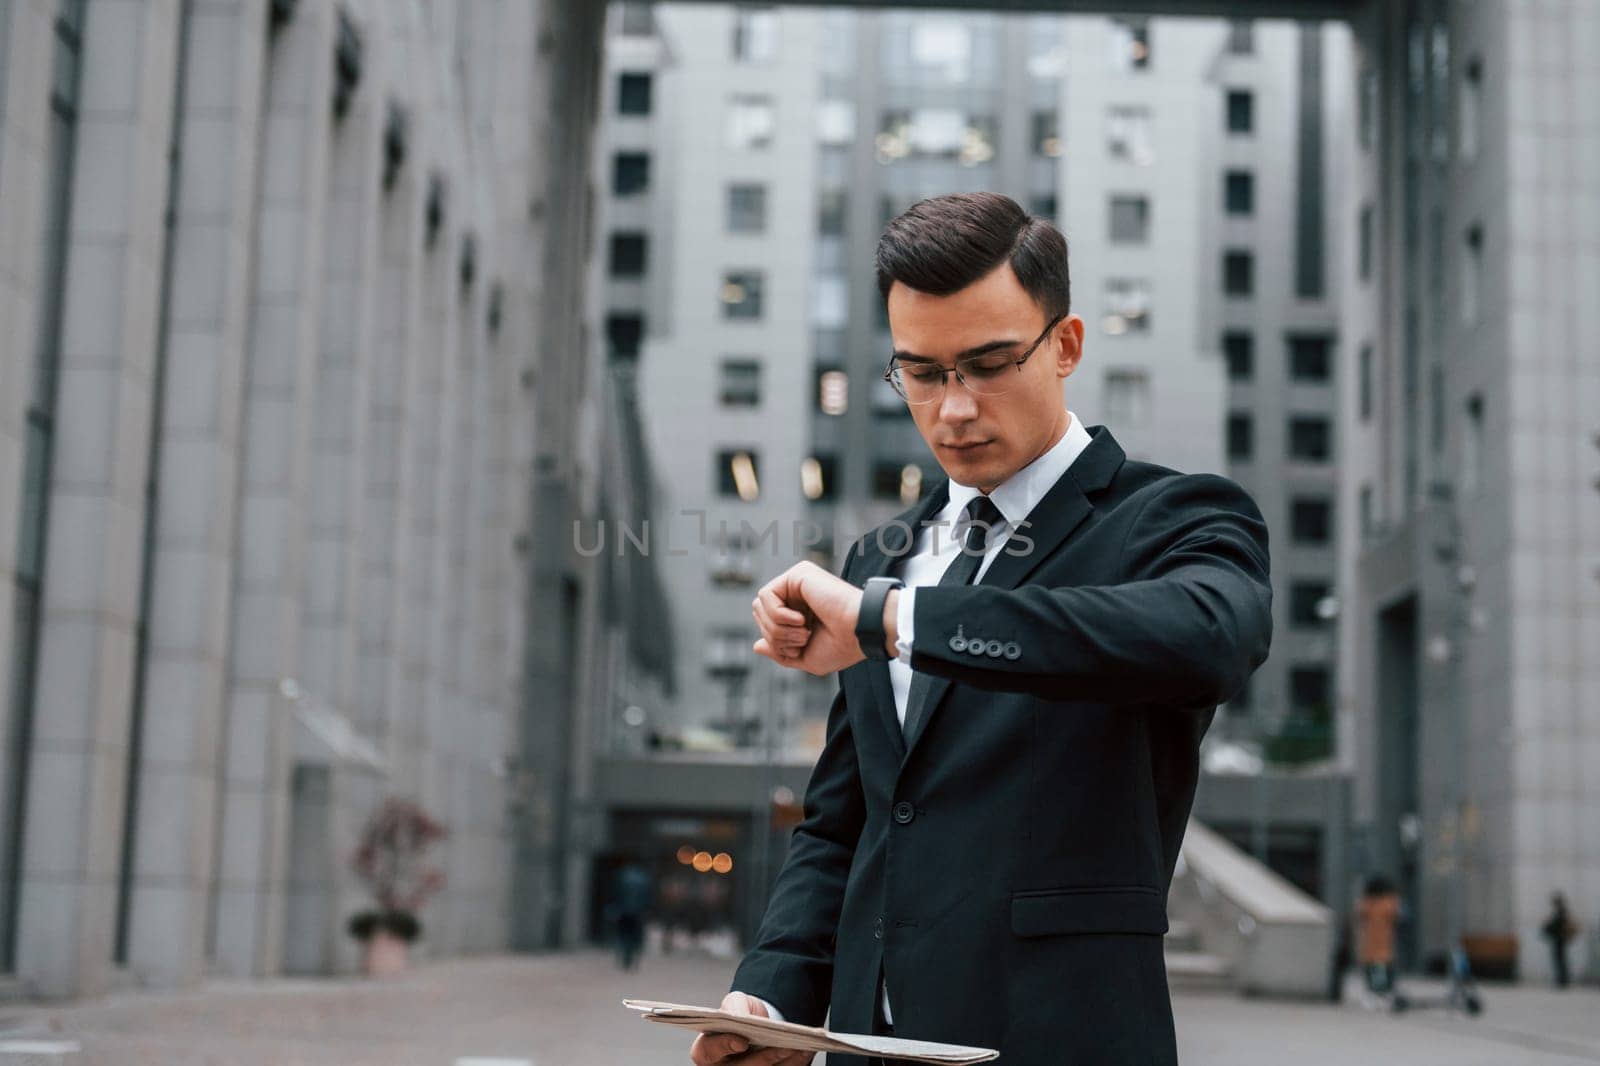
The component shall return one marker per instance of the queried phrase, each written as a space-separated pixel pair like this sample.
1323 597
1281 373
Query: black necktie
981 513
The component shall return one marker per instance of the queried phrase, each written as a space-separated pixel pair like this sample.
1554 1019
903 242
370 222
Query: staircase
1236 925
1189 967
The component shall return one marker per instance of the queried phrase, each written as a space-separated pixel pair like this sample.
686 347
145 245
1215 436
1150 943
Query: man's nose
957 404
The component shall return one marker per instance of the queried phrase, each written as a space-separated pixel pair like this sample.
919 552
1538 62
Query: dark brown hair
945 243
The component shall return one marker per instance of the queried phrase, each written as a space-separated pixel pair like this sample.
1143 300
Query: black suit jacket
1006 862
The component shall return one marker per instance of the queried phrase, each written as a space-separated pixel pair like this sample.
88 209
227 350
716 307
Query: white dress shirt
938 545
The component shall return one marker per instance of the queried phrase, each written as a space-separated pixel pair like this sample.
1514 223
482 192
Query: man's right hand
728 1049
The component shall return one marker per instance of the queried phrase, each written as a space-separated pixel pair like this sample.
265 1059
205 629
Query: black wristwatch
869 623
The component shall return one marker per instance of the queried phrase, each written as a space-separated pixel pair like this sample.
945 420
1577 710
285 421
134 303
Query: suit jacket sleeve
1186 623
791 964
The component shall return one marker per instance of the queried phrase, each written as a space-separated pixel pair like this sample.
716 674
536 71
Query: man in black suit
1028 659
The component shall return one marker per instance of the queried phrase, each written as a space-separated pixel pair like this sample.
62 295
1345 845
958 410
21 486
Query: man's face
981 440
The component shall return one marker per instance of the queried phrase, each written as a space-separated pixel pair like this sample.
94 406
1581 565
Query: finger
767 1056
775 605
783 638
777 655
709 1048
779 632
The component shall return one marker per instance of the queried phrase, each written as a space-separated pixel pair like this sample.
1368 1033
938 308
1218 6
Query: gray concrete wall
341 431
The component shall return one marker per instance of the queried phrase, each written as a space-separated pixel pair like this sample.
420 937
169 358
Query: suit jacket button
1013 651
975 647
904 812
993 649
877 929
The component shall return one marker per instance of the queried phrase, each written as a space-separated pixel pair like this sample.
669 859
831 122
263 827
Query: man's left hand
807 618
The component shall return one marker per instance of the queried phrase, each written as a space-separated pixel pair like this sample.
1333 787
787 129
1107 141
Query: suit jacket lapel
883 554
1052 520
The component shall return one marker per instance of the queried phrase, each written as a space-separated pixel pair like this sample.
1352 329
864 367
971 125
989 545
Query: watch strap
870 630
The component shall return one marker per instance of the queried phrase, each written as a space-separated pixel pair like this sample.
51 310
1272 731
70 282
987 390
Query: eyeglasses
986 374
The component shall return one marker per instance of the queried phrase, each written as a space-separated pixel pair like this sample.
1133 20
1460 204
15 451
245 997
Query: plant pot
385 955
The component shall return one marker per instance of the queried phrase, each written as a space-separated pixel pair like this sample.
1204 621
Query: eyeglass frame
946 371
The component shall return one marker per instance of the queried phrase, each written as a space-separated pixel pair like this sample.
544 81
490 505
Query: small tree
389 861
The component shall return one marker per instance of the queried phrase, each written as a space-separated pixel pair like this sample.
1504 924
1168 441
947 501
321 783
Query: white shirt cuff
772 1012
904 616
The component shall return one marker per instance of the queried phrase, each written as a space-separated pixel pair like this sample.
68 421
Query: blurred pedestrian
1377 914
635 888
1559 929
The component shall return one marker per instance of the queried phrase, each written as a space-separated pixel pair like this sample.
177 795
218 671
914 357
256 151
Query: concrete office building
706 245
1278 127
279 423
1470 453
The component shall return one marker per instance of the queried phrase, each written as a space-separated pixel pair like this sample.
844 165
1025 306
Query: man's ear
1069 332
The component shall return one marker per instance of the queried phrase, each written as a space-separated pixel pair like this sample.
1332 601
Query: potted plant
389 862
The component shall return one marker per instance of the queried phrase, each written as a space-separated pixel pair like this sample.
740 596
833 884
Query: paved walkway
564 1011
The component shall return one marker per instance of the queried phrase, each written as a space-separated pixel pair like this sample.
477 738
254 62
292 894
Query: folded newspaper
765 1032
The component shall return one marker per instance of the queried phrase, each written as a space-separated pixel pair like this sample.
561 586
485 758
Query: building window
1310 438
1129 44
747 208
1364 383
831 205
1239 193
1238 272
1310 689
630 173
741 294
833 390
633 93
1241 37
1367 118
1471 108
755 35
741 383
1239 349
1046 134
897 481
1128 134
1127 306
1241 436
1472 277
1311 520
819 478
1241 111
1127 396
738 473
1364 243
751 123
1130 220
1305 598
1310 358
728 659
1472 446
625 332
628 254
733 563
937 133
1043 205
836 123
1368 520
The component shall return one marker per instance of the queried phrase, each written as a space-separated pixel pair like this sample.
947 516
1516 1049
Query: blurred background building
408 398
